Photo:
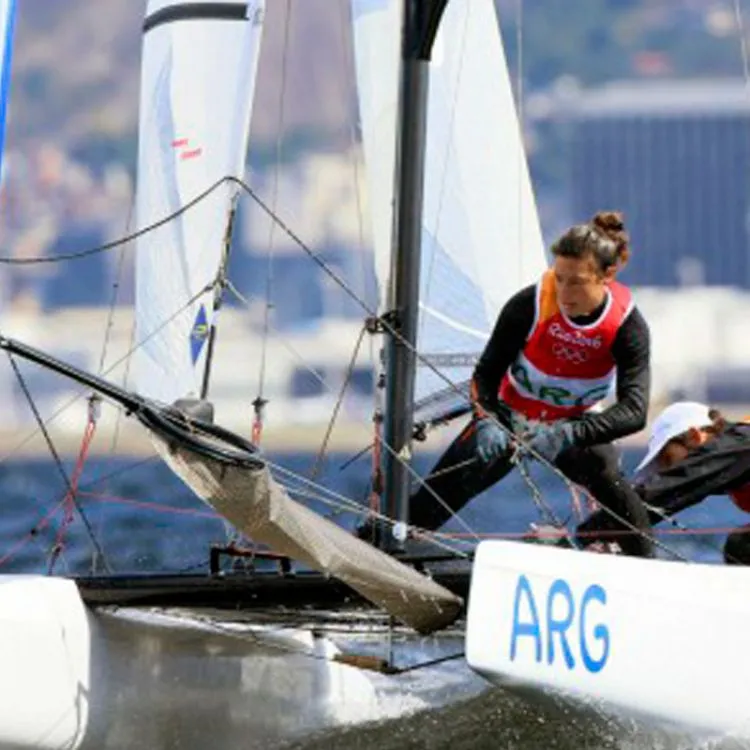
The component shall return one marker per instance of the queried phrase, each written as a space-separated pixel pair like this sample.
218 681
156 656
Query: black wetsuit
592 463
719 467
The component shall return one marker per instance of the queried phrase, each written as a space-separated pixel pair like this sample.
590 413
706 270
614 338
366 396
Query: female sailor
558 348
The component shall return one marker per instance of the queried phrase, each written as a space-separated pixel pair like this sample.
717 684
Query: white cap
675 420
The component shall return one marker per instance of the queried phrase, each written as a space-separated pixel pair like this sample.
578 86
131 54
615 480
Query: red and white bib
564 368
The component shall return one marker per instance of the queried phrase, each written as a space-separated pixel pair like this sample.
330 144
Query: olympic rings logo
576 356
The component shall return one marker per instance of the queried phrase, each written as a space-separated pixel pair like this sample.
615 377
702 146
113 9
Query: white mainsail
7 21
481 237
377 51
197 83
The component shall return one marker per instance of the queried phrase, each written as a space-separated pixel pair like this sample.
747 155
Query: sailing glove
492 440
550 440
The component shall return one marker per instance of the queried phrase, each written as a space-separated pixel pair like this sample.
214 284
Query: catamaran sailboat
213 660
121 661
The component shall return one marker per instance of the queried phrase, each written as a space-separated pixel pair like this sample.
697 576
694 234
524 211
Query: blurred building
675 157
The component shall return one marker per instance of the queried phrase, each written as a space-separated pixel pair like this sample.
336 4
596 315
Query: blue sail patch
199 334
7 23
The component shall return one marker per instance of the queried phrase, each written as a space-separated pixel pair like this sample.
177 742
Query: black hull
239 591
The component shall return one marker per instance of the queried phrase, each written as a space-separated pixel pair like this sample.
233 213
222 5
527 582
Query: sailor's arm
508 338
631 351
715 468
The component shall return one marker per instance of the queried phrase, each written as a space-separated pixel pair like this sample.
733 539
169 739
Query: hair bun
612 221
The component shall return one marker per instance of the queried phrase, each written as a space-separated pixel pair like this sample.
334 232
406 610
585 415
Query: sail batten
195 12
197 85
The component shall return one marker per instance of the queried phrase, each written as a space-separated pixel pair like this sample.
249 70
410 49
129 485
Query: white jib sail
481 238
197 83
377 50
7 21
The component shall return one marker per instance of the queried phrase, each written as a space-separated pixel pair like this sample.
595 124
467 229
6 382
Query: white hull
76 677
662 639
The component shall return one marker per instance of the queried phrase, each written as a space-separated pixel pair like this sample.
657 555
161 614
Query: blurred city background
637 105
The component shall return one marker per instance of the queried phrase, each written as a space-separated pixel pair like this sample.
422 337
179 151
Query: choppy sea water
497 720
144 519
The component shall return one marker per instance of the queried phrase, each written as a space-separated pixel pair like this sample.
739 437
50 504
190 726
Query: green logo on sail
198 334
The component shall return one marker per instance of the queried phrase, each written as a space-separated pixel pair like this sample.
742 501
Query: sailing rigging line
329 494
64 407
331 273
33 533
150 505
115 293
520 98
125 378
355 507
377 363
544 508
58 462
349 461
119 273
428 427
321 263
363 304
698 531
269 305
236 630
337 406
427 664
219 287
443 178
114 244
452 468
350 84
72 493
246 301
677 526
43 521
351 506
116 472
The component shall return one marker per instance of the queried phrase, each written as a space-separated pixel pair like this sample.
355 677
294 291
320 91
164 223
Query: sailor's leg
597 469
737 547
456 478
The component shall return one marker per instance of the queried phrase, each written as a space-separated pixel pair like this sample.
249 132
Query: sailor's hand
548 441
492 440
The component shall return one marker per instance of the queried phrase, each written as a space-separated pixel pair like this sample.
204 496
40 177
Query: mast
221 281
420 25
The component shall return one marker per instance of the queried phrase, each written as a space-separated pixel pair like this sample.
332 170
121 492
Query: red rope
149 505
377 469
556 533
69 499
257 430
28 537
